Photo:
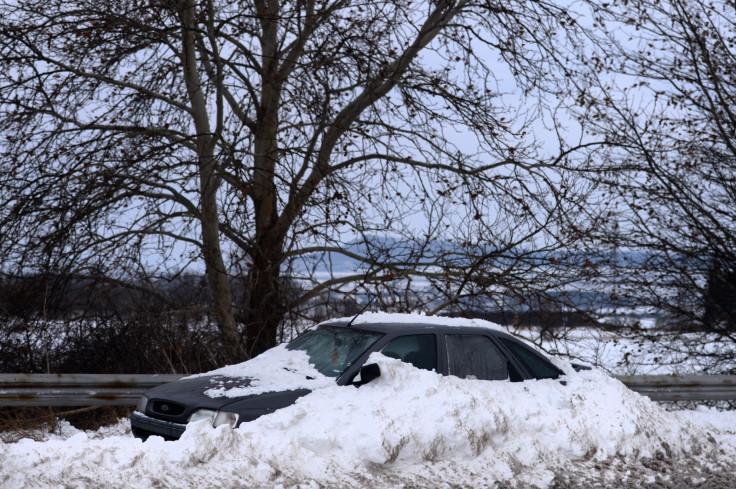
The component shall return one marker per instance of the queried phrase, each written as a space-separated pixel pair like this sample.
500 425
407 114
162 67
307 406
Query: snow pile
409 427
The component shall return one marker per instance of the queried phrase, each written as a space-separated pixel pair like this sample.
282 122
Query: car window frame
494 336
439 332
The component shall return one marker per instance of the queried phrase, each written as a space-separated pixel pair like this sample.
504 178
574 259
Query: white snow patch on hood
275 370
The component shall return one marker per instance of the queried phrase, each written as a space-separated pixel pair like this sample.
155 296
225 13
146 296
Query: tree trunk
267 306
232 347
266 291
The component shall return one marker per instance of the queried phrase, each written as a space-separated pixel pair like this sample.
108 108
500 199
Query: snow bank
409 427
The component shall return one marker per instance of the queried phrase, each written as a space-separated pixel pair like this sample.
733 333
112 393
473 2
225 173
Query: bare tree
667 99
260 140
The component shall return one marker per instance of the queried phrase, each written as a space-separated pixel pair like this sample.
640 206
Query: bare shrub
478 440
393 449
435 450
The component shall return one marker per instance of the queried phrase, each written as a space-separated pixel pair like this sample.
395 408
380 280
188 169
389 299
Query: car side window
475 357
534 363
418 349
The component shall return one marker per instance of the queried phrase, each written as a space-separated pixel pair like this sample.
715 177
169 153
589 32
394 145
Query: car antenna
370 301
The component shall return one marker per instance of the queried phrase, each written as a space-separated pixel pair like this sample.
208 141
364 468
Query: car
336 352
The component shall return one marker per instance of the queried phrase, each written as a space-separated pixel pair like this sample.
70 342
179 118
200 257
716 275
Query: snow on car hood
275 370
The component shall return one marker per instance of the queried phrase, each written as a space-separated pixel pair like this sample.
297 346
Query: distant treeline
57 296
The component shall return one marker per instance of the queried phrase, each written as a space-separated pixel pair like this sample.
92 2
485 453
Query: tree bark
266 306
217 276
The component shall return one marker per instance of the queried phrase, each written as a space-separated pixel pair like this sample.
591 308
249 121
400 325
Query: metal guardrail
124 390
682 387
77 389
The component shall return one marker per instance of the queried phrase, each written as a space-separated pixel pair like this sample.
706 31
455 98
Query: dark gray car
339 350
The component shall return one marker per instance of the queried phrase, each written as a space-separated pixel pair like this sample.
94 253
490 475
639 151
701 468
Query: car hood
192 391
177 401
265 378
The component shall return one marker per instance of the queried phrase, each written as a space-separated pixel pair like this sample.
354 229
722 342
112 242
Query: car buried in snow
336 352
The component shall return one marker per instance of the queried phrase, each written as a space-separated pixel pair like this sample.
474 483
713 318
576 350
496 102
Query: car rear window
539 367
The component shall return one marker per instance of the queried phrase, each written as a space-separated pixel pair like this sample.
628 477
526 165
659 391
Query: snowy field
410 429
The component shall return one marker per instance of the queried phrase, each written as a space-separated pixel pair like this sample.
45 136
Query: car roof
392 323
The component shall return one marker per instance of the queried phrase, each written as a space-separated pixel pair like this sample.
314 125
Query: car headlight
224 417
142 403
216 418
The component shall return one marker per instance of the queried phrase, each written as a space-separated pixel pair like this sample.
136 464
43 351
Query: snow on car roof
400 319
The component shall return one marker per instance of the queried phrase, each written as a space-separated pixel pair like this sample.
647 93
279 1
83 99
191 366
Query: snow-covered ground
410 428
645 352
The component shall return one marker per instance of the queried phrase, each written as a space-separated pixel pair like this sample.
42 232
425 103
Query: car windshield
333 350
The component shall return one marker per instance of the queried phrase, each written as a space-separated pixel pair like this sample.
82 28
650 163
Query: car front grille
167 408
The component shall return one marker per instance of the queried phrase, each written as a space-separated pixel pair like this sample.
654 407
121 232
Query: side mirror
368 373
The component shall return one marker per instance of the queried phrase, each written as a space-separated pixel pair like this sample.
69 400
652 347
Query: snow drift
409 426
